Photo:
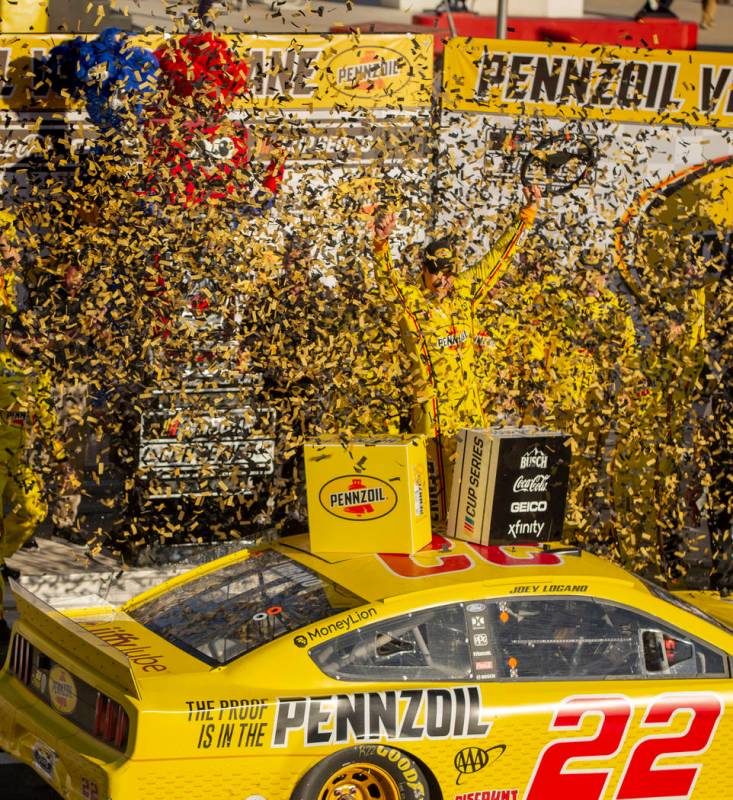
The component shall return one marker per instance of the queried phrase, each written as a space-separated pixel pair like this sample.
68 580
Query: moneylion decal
358 497
364 71
404 715
342 625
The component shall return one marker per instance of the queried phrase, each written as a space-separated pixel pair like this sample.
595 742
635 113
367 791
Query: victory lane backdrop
611 327
594 331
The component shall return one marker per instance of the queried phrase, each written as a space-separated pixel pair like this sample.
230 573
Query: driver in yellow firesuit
438 326
9 260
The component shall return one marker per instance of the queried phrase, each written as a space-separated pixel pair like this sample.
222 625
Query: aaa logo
474 759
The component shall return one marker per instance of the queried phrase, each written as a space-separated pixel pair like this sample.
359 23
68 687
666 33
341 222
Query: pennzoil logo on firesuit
452 339
404 715
358 497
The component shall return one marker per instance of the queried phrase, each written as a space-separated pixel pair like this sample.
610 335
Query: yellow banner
23 15
286 72
581 82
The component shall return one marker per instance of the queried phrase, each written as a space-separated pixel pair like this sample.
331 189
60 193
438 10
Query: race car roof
447 562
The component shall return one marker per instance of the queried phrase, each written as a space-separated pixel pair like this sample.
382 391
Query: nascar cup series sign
510 486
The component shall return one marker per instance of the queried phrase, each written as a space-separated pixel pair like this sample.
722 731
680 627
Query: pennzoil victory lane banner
657 124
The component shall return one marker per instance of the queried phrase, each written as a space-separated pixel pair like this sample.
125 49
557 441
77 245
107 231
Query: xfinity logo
534 458
538 483
533 528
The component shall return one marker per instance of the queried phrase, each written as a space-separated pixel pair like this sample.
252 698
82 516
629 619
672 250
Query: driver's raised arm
385 272
482 277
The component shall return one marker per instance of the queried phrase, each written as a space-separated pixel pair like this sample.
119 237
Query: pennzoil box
509 486
370 496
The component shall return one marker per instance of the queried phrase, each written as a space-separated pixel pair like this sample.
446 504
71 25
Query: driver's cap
440 255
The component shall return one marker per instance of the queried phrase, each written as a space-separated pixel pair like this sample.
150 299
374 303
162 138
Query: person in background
27 417
9 264
662 9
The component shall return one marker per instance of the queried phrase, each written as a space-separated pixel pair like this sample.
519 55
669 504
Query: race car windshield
224 614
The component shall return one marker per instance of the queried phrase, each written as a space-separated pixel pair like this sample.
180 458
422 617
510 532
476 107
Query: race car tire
365 772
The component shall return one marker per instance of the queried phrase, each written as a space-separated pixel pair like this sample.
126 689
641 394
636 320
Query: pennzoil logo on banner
364 71
358 497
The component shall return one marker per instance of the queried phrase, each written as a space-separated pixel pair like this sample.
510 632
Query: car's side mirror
655 653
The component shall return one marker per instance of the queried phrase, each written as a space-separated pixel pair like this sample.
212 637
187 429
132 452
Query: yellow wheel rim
360 782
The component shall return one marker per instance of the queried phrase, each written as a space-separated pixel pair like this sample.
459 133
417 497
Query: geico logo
449 713
527 506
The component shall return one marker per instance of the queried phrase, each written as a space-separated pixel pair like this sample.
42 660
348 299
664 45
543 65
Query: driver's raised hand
532 195
384 224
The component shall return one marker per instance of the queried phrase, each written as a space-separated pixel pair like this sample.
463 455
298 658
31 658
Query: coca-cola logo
537 483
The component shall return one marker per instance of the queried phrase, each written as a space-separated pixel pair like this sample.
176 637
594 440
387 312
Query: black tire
407 779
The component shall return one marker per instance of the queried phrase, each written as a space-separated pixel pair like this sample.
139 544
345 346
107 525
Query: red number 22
640 779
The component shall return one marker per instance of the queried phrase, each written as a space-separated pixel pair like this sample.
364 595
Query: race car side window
425 645
569 637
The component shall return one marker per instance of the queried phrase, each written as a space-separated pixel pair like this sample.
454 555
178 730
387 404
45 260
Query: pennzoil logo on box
358 497
364 71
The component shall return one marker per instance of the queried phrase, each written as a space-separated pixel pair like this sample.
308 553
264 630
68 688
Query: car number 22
640 779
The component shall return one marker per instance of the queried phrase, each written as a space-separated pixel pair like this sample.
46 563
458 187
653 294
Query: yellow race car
464 672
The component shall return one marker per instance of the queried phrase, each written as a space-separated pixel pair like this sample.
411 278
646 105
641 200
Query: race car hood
711 603
108 641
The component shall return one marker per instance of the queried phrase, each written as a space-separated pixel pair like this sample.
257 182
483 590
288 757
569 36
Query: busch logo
534 458
537 483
